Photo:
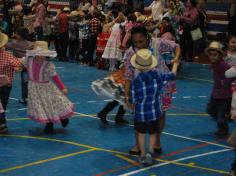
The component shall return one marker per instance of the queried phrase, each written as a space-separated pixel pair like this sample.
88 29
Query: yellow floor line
90 148
191 165
45 160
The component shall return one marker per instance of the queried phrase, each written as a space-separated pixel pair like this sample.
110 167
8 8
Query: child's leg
152 142
141 143
119 116
112 65
161 125
48 128
222 117
135 150
103 113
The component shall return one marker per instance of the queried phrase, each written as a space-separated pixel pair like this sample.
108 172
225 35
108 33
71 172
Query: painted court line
180 159
170 134
46 160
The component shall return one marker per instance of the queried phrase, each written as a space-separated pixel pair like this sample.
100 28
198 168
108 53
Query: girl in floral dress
46 103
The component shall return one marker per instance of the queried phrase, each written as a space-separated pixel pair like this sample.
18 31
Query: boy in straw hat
221 95
8 64
47 102
145 96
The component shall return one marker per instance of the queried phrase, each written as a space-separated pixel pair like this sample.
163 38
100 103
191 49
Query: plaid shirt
95 26
8 63
145 94
84 30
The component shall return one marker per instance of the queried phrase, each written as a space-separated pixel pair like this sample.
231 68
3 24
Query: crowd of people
138 45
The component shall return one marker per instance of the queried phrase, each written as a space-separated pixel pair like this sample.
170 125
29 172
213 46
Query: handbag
232 139
196 34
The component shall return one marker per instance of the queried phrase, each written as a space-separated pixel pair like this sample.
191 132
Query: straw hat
144 60
66 9
41 49
3 39
142 19
74 13
214 46
81 13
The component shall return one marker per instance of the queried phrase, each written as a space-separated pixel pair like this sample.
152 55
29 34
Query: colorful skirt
46 103
111 86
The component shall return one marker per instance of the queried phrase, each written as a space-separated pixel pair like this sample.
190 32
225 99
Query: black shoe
3 129
157 151
134 152
48 128
121 121
64 122
102 118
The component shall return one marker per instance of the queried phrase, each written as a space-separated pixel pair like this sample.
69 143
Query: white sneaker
149 159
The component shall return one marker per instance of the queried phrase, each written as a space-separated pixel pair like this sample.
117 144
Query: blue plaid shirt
145 94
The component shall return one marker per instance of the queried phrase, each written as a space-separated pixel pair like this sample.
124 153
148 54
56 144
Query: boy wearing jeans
145 97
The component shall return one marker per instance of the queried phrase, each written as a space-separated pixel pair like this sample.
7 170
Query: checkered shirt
145 94
8 63
95 26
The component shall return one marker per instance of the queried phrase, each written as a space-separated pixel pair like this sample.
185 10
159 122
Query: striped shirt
145 94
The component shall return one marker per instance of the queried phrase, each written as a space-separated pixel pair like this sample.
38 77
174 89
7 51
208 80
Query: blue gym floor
87 147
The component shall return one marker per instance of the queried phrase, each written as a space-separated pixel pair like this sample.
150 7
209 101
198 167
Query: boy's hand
5 80
131 106
65 91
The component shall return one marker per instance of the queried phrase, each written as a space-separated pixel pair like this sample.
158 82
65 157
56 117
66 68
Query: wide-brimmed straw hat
143 59
3 39
66 9
74 13
41 49
216 46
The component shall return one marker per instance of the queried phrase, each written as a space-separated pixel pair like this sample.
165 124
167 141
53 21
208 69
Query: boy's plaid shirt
145 94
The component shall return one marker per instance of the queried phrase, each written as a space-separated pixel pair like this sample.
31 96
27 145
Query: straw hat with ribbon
41 49
143 59
216 46
3 39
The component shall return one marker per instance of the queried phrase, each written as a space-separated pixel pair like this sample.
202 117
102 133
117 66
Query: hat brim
140 67
207 50
4 40
37 52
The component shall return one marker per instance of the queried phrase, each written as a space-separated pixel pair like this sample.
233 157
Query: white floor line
14 98
169 134
180 159
108 100
202 96
91 101
21 109
187 97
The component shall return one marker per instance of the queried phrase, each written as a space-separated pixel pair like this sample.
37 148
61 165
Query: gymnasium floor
87 147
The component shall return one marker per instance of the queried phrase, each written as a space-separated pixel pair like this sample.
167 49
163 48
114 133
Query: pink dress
46 103
112 49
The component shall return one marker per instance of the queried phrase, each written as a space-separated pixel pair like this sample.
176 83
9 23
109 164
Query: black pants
85 51
110 106
186 44
24 85
63 44
73 48
4 96
93 41
220 110
39 33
